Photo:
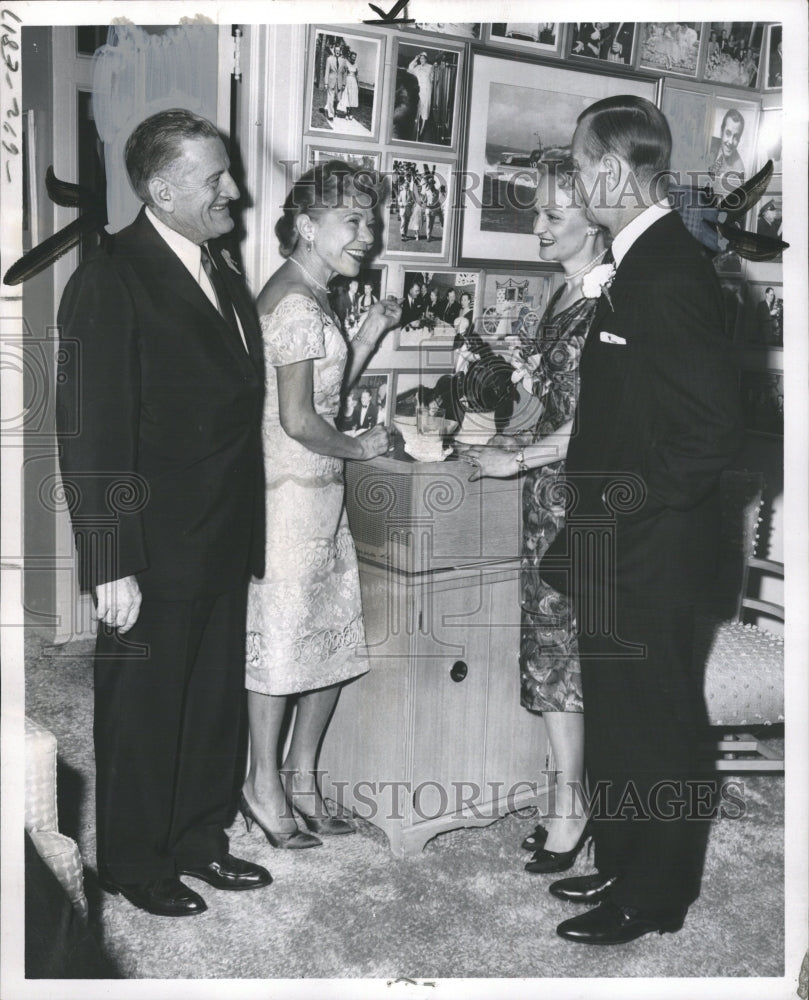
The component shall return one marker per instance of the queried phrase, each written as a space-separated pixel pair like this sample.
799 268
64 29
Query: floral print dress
304 617
550 674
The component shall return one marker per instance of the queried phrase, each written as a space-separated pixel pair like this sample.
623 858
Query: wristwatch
519 458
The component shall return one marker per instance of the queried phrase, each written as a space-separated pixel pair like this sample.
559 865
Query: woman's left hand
381 317
496 463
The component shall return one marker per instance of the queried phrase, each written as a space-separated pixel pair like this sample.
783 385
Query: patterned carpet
463 908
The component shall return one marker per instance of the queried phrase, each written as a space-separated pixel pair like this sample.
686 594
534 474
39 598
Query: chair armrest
767 565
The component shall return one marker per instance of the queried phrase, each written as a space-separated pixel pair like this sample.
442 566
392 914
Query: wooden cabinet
433 737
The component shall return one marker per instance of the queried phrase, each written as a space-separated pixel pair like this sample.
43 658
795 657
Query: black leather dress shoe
611 924
165 897
587 889
230 873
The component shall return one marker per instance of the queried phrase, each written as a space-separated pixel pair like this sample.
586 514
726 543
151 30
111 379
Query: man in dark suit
658 418
366 411
451 309
165 474
412 305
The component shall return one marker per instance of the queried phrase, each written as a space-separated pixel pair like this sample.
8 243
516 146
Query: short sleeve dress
304 617
550 673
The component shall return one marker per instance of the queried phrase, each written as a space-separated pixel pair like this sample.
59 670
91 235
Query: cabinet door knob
458 671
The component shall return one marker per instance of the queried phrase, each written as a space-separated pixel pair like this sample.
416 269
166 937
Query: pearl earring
592 230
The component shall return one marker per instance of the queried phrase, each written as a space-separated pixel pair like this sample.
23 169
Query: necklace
585 268
309 274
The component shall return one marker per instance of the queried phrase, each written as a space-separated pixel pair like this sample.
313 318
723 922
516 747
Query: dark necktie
608 257
220 288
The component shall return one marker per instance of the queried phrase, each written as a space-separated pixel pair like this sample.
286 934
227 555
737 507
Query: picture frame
762 319
543 38
472 31
350 305
770 136
420 214
698 117
377 385
670 47
733 53
512 304
416 116
526 106
434 323
370 159
762 392
774 79
329 97
611 42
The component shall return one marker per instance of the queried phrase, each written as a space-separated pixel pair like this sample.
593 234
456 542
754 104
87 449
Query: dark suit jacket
411 310
660 411
450 311
370 419
168 401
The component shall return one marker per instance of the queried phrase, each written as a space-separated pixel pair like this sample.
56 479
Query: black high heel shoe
544 862
297 841
535 840
327 826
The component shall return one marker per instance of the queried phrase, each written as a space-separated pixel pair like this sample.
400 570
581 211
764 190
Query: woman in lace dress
305 633
547 366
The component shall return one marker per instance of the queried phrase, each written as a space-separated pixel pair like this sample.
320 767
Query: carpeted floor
462 908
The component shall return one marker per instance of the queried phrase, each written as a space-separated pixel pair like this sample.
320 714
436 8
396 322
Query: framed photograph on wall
774 80
763 401
607 41
344 83
434 303
425 93
734 52
351 298
670 47
543 37
770 132
763 317
517 109
369 159
469 30
366 404
420 211
512 304
713 137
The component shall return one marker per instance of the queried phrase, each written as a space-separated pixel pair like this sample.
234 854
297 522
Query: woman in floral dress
305 632
547 365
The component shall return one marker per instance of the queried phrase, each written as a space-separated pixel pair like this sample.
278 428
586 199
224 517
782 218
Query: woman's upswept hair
630 127
330 185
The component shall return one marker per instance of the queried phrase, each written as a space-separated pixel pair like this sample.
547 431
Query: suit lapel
164 267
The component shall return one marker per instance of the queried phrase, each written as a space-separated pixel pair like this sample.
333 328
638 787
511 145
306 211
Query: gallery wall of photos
457 116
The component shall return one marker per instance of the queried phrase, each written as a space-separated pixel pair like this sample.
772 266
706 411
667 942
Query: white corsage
525 371
598 281
231 263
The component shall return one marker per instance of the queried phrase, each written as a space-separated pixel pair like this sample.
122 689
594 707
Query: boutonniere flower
231 263
598 281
